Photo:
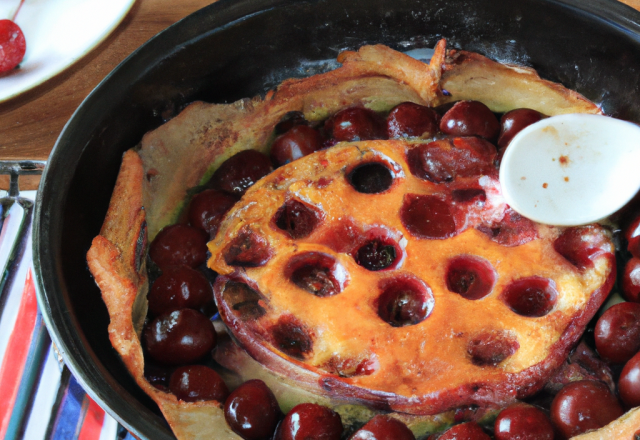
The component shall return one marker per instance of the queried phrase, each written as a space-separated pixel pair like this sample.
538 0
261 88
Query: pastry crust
155 177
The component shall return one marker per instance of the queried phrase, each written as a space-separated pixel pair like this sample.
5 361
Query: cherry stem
15 14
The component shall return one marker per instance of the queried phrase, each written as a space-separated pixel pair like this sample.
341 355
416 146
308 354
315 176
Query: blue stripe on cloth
71 412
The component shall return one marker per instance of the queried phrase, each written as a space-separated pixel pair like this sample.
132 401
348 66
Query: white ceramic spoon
573 169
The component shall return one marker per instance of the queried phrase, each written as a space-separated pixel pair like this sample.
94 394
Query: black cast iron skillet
236 49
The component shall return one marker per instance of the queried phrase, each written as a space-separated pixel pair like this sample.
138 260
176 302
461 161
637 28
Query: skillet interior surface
235 49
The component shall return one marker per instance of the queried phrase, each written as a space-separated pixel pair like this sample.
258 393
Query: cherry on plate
240 172
179 287
383 428
208 208
582 406
464 431
193 383
631 280
617 333
178 245
356 124
252 411
523 422
310 421
629 382
12 45
470 118
514 121
411 120
298 142
179 337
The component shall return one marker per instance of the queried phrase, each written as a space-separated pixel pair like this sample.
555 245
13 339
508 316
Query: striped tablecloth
39 398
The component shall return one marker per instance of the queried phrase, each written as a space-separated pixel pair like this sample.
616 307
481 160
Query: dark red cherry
629 382
179 337
470 118
489 348
356 124
580 245
514 121
471 277
298 142
241 171
632 235
513 229
617 332
376 254
465 431
194 383
427 216
523 422
252 411
412 120
383 428
404 301
371 178
317 273
289 121
207 209
247 249
179 287
310 421
157 375
178 245
631 280
532 296
297 219
292 337
582 406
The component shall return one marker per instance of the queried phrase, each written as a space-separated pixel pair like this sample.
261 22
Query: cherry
465 431
179 287
179 337
371 178
631 280
252 411
427 216
467 195
629 382
241 171
247 249
289 121
383 428
179 245
514 121
317 273
376 254
292 337
243 300
297 219
310 421
412 120
580 245
471 277
157 375
298 142
12 45
513 229
207 209
523 422
492 347
194 383
632 235
404 301
355 124
532 296
582 406
470 118
617 333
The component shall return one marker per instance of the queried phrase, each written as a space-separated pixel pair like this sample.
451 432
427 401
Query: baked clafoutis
336 260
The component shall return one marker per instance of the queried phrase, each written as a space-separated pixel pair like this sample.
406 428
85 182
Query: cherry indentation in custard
471 277
492 347
404 301
244 301
532 296
371 178
468 195
241 171
351 366
512 230
356 124
193 383
179 245
427 216
297 219
292 337
376 254
342 236
179 287
247 249
317 273
580 246
470 118
411 120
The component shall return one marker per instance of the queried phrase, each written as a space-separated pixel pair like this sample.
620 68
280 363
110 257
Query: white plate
58 33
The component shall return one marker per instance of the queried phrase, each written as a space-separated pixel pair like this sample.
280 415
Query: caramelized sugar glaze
433 326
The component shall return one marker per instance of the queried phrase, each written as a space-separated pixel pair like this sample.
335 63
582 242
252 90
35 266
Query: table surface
31 123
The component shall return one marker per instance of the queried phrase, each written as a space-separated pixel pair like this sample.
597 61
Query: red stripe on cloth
17 351
92 424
